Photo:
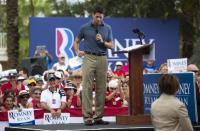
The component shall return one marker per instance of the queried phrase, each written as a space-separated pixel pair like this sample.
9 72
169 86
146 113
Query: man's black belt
97 54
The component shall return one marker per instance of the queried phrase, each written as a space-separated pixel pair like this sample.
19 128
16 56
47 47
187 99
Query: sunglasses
68 89
32 84
40 82
25 96
12 77
57 78
37 93
52 80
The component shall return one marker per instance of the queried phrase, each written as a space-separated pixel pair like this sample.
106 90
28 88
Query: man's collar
102 24
52 90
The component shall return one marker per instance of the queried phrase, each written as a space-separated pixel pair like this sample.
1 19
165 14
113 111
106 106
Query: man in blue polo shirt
97 37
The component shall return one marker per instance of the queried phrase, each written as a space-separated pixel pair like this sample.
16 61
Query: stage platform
82 127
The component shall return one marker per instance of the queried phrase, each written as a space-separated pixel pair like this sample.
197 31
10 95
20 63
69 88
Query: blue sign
186 93
58 34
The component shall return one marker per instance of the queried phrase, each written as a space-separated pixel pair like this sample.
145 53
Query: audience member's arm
79 100
63 102
110 96
121 91
76 47
45 106
48 55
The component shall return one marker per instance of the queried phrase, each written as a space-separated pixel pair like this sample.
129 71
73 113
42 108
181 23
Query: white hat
4 79
20 78
113 83
70 86
119 63
23 92
58 74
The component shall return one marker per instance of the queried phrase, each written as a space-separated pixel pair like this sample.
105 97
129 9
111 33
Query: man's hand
99 38
80 53
58 112
53 113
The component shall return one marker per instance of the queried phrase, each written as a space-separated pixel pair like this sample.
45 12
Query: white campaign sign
177 65
75 63
63 119
24 117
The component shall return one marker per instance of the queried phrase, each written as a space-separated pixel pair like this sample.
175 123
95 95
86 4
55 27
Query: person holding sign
97 38
167 112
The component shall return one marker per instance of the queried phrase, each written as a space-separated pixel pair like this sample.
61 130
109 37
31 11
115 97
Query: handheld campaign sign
75 63
177 65
63 119
41 48
21 118
186 93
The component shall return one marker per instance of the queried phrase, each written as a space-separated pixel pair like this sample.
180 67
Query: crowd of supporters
58 89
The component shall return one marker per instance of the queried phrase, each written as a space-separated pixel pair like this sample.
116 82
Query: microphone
97 31
137 31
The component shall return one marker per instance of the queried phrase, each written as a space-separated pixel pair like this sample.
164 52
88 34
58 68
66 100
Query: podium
136 99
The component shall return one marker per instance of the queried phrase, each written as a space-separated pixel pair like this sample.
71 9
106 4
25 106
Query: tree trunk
12 33
187 31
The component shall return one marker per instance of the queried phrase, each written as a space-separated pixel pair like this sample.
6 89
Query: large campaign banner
186 93
58 34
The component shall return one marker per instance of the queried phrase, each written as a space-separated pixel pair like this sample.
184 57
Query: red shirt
36 104
61 86
74 101
8 86
119 73
115 101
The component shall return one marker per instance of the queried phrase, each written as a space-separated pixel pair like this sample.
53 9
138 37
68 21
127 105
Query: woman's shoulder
165 100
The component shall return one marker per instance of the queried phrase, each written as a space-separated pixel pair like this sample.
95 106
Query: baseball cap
39 79
77 74
4 79
51 77
58 74
70 86
31 81
119 63
12 74
23 92
20 78
113 83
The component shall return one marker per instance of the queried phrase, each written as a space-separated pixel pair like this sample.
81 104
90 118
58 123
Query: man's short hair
98 9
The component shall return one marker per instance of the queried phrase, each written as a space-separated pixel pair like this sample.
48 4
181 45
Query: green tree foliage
186 11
